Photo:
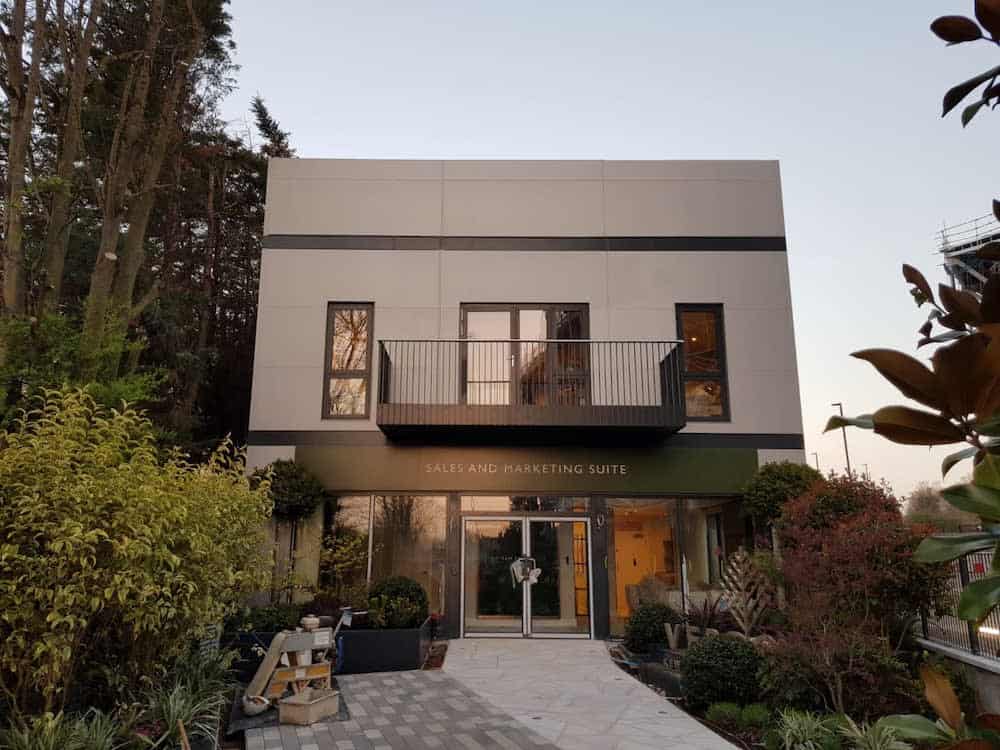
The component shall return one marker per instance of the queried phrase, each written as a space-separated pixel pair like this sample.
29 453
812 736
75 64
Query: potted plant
395 635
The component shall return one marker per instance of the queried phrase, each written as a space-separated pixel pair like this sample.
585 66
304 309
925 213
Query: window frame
329 373
722 375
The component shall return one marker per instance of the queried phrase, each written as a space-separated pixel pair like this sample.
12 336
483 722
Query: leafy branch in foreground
962 387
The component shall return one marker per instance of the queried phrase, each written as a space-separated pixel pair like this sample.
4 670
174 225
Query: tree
22 92
926 506
962 386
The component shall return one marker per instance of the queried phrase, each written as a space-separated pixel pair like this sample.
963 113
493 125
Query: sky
846 95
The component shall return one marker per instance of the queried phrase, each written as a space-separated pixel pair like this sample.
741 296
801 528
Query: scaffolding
959 244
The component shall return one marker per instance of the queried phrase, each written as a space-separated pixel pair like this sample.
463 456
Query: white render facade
422 245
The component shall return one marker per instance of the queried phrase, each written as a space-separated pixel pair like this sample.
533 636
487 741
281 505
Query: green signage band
559 469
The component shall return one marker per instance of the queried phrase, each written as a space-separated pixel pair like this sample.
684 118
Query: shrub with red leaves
854 591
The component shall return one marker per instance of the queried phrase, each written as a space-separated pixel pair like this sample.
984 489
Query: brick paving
406 711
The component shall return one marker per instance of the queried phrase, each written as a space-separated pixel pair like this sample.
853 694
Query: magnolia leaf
941 338
938 549
988 721
913 276
864 421
956 94
909 375
989 251
996 209
956 29
925 329
952 459
989 307
914 727
907 426
960 303
969 112
982 501
963 374
988 15
941 696
979 598
987 471
990 427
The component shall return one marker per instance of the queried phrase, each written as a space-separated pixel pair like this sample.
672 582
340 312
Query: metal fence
981 640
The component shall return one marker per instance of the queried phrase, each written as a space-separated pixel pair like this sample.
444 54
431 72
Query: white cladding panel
524 198
417 295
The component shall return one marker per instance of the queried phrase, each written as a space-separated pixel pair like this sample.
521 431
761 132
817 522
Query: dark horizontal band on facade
765 441
524 244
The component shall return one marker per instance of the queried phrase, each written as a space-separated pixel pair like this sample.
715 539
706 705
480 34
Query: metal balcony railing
518 383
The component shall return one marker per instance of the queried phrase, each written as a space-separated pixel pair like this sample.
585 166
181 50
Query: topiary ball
296 493
401 587
719 668
644 629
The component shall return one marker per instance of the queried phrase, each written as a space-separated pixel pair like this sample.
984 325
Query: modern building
537 387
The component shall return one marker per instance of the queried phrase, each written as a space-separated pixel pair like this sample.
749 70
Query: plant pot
388 650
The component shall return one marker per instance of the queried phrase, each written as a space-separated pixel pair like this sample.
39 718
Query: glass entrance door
526 577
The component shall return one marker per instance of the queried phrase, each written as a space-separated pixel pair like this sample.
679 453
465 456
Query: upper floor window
348 365
706 389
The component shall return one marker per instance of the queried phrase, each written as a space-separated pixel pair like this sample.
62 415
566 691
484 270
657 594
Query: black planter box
383 650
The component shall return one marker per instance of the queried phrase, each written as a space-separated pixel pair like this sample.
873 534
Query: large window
530 354
375 537
706 390
348 364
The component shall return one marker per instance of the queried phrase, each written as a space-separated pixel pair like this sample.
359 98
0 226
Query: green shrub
269 619
755 716
720 668
786 681
94 730
398 602
644 628
130 553
802 730
775 484
724 714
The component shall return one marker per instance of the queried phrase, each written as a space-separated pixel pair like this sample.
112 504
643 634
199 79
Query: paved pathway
406 711
571 693
501 694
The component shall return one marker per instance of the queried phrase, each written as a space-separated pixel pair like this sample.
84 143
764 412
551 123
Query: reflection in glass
644 557
493 604
350 339
716 548
701 348
346 555
347 396
525 503
408 537
488 362
703 398
553 372
560 599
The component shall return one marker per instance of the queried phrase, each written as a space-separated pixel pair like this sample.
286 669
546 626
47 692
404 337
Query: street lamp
843 430
816 459
868 474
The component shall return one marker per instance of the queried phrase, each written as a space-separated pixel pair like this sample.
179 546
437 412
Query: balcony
458 388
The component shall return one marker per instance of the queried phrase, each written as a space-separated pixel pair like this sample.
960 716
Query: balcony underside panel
415 419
